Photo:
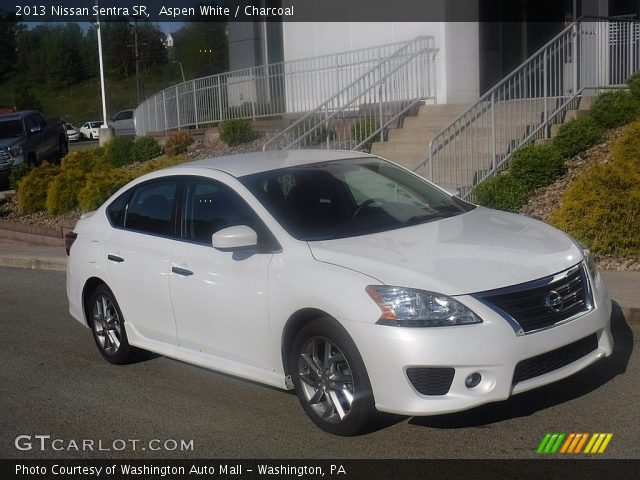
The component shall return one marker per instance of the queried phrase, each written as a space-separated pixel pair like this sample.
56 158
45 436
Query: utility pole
137 55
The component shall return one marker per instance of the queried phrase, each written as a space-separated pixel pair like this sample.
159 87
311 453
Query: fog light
473 380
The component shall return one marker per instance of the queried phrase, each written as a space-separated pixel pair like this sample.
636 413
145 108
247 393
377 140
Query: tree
9 29
203 48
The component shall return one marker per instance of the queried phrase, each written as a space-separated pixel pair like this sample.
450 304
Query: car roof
256 162
18 115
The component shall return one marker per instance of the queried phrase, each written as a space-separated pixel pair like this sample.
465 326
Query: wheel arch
89 287
296 322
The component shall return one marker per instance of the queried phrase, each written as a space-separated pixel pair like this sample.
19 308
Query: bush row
536 166
602 207
85 179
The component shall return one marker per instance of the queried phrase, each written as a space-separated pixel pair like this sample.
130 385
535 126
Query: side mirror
35 130
232 238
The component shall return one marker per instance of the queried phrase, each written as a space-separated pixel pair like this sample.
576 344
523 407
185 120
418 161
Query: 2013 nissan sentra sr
338 274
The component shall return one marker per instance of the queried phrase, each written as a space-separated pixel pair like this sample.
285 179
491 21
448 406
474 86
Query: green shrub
119 151
502 192
235 131
62 193
146 148
602 209
32 189
85 160
634 85
613 109
627 147
577 136
17 174
536 166
363 128
177 142
100 185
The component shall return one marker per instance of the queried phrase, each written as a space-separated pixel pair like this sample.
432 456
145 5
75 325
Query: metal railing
265 91
362 111
592 54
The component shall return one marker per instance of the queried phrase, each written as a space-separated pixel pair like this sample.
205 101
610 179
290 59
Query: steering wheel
365 204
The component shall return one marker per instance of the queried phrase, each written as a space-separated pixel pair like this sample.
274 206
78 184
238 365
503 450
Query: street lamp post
106 133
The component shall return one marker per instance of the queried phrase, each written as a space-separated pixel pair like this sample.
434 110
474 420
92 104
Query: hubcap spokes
327 382
107 324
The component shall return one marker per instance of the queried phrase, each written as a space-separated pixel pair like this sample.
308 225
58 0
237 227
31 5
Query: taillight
69 238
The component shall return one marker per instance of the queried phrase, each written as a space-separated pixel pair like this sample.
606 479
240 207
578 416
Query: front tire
330 379
107 325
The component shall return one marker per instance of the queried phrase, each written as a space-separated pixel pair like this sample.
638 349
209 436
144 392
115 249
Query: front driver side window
210 206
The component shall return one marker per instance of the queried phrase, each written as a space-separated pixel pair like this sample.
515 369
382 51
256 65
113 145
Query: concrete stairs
407 146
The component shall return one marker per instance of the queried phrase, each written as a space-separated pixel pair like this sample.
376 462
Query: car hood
476 251
9 142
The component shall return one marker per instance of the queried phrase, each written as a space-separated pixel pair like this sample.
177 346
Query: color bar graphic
573 443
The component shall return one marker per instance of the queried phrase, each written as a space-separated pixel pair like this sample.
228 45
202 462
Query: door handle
115 258
182 271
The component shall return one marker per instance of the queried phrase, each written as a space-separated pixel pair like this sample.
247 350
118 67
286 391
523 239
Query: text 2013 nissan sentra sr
341 275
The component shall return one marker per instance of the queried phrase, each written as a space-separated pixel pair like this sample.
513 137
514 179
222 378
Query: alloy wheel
326 379
107 325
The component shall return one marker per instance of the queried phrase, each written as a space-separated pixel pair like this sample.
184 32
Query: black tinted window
151 207
210 206
124 116
116 211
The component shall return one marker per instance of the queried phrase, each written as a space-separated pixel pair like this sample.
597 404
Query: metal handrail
590 53
275 89
358 93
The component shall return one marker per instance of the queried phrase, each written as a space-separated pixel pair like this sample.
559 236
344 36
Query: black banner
315 469
293 10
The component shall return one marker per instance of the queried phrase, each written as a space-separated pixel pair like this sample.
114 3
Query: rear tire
107 324
330 379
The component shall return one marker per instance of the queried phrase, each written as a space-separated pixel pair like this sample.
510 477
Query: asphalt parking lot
54 382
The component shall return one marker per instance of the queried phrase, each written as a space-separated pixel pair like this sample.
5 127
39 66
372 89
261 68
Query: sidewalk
624 287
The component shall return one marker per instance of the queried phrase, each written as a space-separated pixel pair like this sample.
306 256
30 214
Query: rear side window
150 209
118 209
124 115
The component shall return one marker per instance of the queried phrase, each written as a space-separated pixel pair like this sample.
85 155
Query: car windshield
95 124
11 129
346 198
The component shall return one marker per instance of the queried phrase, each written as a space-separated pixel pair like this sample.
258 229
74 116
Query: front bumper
491 349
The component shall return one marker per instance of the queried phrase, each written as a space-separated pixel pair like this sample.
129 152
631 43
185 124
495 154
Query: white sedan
91 130
338 274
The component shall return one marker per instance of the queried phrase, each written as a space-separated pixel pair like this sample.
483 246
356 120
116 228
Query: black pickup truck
28 137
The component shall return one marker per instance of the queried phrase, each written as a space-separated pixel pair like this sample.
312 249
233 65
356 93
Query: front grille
4 155
555 359
543 303
431 381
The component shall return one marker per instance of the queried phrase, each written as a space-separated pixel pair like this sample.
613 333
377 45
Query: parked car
123 123
341 275
26 137
72 133
91 130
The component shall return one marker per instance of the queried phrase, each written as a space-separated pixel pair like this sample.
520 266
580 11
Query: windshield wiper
427 217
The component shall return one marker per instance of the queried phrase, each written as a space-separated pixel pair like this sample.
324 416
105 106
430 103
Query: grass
82 102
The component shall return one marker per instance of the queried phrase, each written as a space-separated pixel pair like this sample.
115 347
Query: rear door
138 257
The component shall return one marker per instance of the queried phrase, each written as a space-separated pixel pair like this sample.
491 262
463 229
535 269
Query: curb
35 263
632 316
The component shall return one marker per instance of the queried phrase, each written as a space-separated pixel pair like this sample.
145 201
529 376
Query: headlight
408 307
15 151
